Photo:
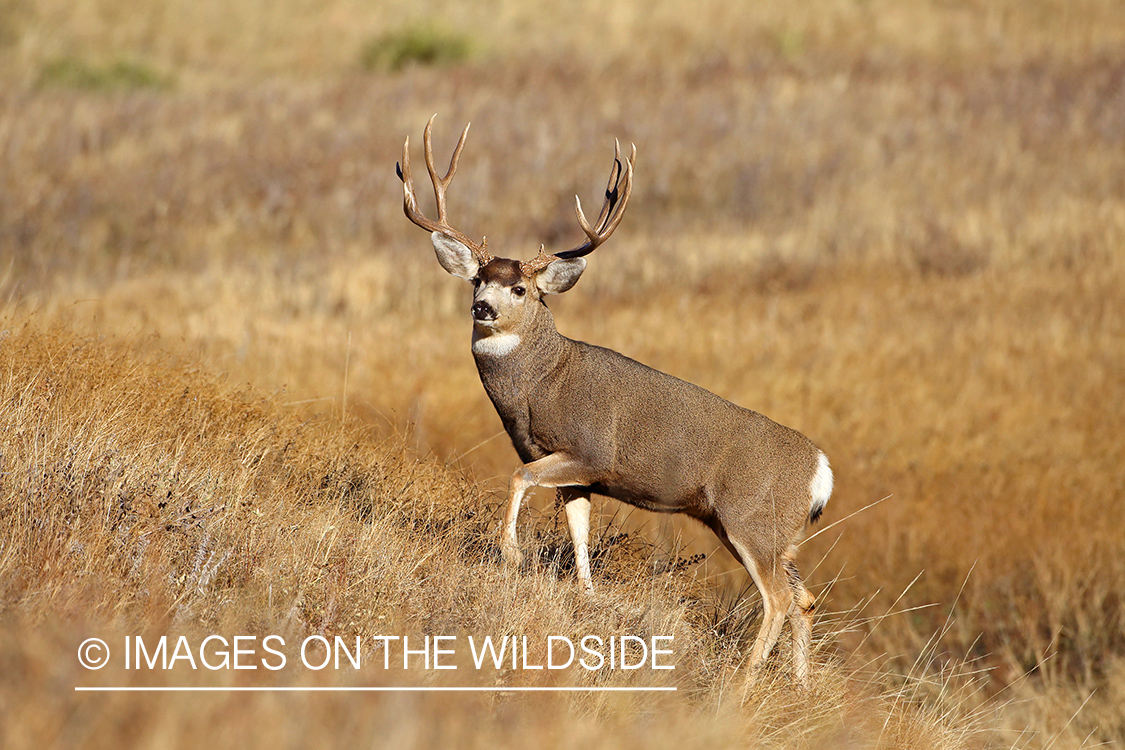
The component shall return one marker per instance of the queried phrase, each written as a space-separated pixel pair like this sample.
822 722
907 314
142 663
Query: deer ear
560 275
454 256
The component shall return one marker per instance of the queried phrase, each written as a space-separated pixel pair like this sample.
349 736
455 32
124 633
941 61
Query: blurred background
897 227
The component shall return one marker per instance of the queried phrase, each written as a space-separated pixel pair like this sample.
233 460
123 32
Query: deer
587 420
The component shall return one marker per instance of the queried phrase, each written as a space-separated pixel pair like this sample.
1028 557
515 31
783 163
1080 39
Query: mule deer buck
585 419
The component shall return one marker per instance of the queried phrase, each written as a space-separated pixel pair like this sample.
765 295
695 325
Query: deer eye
519 291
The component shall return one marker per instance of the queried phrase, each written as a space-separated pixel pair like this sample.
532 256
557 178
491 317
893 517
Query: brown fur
502 271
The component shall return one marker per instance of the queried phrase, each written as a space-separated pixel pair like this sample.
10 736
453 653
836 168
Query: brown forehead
504 271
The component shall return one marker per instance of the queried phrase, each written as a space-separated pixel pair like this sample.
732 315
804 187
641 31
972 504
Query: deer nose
483 311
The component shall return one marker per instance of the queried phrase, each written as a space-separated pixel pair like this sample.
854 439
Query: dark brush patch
804 600
793 574
814 516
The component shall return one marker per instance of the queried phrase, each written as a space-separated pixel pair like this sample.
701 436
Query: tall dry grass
896 227
141 497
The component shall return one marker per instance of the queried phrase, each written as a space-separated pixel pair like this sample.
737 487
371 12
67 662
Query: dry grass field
237 397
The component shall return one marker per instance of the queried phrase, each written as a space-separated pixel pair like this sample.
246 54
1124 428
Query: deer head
505 290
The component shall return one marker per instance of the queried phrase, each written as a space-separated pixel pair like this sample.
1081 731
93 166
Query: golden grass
896 227
145 499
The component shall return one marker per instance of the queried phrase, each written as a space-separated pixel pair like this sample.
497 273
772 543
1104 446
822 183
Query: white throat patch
496 345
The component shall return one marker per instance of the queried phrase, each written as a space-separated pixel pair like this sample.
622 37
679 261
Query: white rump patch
820 488
496 345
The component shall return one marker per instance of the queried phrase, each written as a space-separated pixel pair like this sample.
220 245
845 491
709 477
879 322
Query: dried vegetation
236 393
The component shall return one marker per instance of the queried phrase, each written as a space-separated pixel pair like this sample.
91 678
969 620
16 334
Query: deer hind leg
777 598
577 506
800 620
556 470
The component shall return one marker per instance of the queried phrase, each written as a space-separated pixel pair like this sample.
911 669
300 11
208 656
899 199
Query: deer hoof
510 553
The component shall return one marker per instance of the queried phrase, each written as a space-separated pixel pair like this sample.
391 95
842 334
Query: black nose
483 311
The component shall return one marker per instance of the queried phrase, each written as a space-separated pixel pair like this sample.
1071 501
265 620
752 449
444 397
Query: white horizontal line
373 689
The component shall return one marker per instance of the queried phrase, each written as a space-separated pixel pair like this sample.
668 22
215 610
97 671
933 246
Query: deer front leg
577 505
509 543
556 470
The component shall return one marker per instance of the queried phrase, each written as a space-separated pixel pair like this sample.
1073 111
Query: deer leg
800 622
776 597
556 470
577 507
509 543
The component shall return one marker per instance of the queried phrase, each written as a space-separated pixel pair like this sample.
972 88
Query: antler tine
614 176
617 192
538 263
410 199
441 183
402 169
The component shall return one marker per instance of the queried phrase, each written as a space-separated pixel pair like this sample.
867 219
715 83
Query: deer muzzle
483 311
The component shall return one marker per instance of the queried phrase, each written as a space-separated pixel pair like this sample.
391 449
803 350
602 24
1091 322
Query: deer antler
617 193
410 200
